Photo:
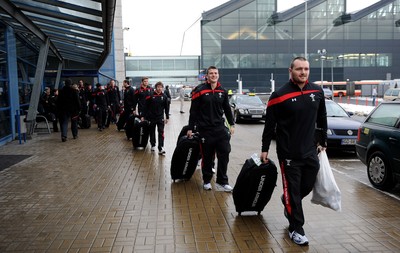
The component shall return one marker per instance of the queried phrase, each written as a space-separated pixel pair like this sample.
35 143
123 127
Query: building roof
224 9
351 17
292 12
77 30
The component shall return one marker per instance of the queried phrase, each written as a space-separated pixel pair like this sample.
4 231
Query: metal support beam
17 14
36 89
58 77
12 74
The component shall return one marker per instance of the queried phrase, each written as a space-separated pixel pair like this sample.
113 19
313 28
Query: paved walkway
95 194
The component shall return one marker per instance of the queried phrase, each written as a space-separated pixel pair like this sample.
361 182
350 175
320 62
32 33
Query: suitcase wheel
259 212
240 213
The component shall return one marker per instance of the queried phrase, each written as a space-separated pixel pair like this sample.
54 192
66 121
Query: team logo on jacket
220 95
312 96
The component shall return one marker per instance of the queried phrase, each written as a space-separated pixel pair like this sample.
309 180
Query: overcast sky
157 27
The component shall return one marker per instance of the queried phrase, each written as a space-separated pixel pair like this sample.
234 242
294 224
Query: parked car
378 145
328 93
391 94
188 94
244 91
247 107
342 129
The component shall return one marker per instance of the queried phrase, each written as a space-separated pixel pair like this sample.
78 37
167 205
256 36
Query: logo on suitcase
189 155
259 189
141 135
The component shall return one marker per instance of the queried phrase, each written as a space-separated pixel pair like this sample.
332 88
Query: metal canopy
224 9
279 17
78 30
351 17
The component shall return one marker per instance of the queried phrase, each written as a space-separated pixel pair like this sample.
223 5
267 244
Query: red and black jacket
139 98
156 107
208 108
295 114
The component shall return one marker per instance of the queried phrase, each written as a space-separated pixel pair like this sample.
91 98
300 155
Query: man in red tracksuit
156 106
209 104
295 111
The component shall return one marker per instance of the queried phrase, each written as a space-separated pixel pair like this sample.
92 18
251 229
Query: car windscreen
249 100
385 114
335 110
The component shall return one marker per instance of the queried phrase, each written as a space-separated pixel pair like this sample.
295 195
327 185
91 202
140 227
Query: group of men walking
294 112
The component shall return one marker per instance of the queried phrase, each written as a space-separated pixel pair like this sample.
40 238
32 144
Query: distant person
293 113
83 99
167 93
209 104
101 106
68 107
156 107
374 94
44 104
90 98
113 95
182 97
53 108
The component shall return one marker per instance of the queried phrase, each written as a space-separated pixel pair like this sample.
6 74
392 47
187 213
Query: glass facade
256 42
171 70
5 128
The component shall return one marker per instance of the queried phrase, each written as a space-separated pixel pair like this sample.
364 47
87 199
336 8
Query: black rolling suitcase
182 133
185 158
254 186
140 134
130 124
121 121
85 121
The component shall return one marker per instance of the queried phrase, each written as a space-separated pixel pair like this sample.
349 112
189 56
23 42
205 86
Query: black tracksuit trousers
215 142
298 179
159 123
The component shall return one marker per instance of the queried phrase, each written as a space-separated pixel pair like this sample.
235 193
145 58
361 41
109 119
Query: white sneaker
153 148
298 238
207 187
225 187
162 151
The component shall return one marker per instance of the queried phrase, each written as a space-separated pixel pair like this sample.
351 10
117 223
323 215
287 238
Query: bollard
21 127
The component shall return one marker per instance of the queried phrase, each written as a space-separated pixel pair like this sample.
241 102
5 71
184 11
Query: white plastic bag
326 192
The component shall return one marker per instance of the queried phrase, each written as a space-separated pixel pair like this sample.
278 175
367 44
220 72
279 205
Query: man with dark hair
295 111
167 92
101 104
113 98
141 93
68 107
156 107
209 104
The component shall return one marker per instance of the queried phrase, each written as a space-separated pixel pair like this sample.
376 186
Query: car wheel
235 117
379 171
